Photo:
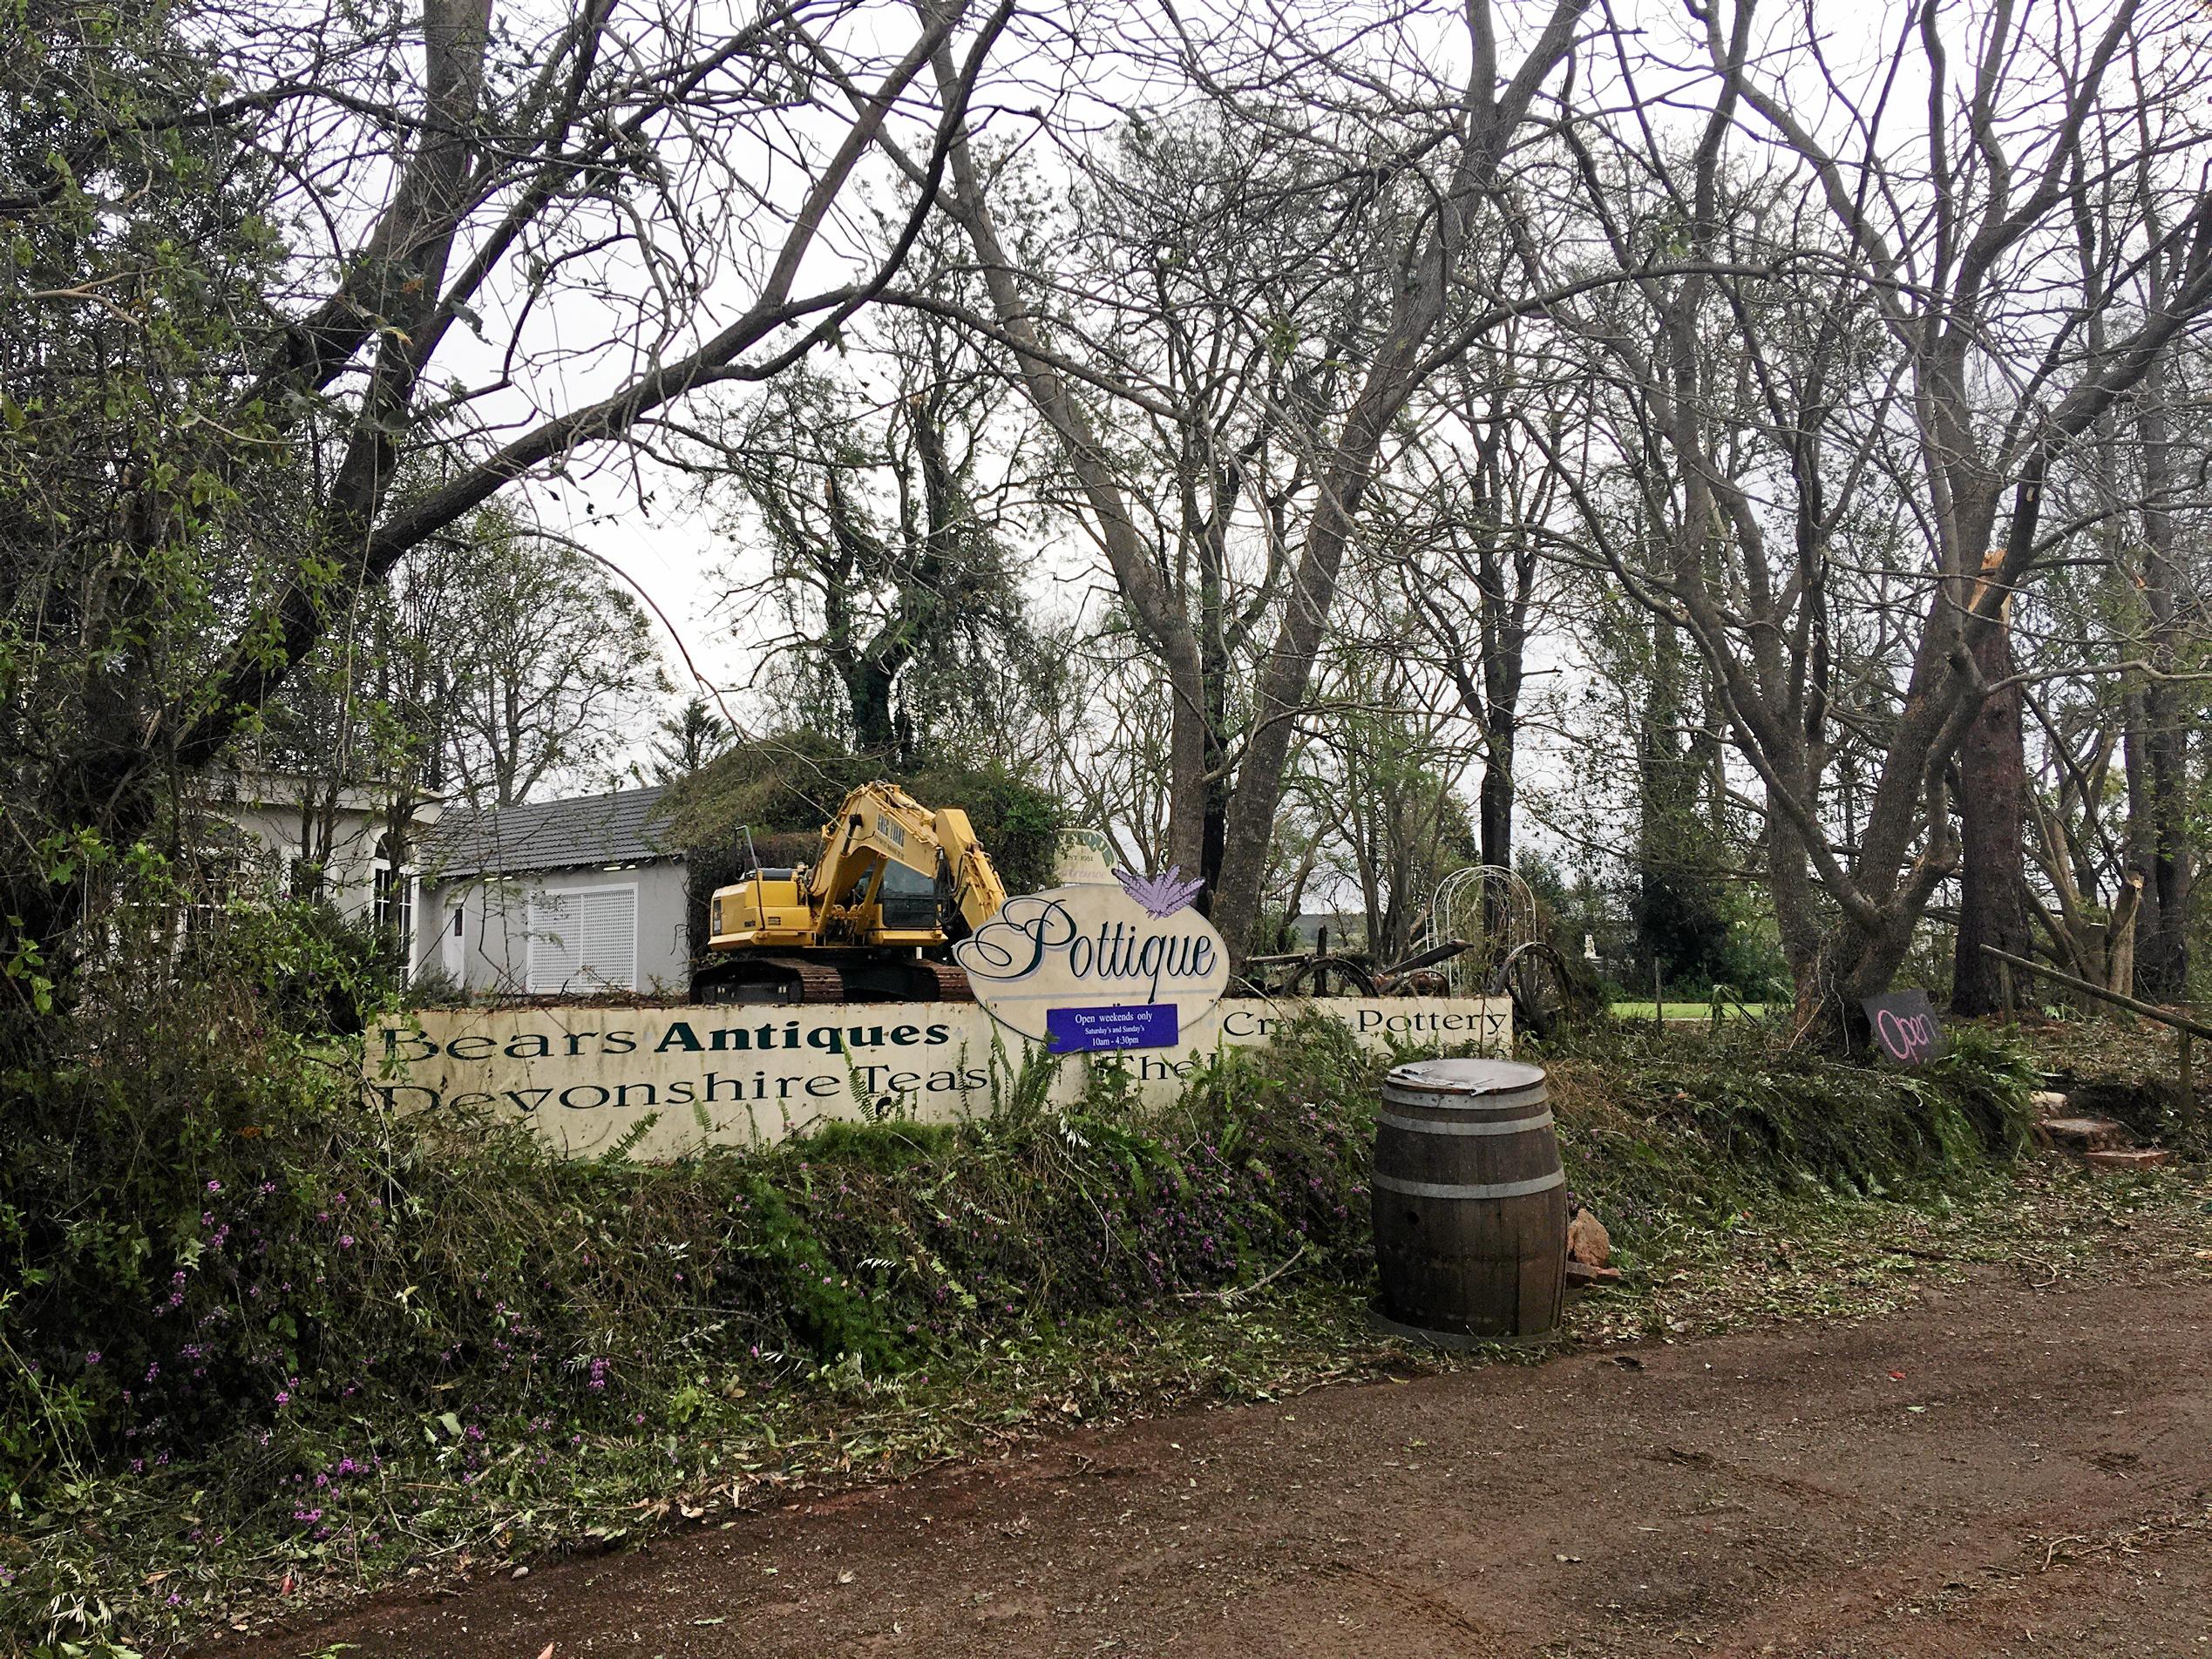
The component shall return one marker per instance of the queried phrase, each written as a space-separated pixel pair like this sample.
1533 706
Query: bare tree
547 667
1467 527
1379 763
1956 236
888 521
1398 184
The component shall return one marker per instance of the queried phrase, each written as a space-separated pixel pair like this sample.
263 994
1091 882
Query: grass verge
1783 1261
1688 1011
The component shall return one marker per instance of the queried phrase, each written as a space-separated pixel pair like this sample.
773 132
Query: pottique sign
585 1078
1097 966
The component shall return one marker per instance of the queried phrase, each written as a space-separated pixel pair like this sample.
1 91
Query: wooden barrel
1470 1203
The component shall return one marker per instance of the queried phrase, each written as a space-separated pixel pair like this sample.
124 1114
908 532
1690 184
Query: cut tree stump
2082 1134
1587 1240
1582 1276
2122 1159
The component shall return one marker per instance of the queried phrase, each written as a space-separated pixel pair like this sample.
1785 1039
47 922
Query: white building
309 838
556 896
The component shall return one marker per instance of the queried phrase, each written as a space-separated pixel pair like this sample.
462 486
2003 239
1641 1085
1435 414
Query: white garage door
584 941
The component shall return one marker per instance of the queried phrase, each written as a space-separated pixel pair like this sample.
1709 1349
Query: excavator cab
909 902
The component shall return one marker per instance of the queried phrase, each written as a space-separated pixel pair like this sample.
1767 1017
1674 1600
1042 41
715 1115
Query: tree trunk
2162 952
868 689
1679 918
1494 814
1992 768
2120 944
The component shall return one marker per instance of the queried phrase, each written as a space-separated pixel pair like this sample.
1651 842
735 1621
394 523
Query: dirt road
2035 1482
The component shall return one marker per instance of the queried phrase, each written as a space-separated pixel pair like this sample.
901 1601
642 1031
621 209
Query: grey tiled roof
614 828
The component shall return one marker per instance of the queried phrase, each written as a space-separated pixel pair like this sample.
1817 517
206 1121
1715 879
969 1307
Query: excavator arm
879 828
881 846
977 890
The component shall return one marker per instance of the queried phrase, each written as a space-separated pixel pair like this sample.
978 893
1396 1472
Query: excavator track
768 980
904 979
818 983
952 982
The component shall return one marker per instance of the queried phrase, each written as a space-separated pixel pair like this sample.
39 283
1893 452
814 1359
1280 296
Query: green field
1685 1010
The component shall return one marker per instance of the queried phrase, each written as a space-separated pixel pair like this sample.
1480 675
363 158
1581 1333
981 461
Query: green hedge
222 1273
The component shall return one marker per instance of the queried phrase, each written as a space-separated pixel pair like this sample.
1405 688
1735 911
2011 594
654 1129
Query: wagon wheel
1329 976
1535 976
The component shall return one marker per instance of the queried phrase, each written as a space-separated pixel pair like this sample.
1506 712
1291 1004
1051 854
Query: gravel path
2006 1469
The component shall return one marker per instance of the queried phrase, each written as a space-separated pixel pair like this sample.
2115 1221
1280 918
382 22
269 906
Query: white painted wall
501 917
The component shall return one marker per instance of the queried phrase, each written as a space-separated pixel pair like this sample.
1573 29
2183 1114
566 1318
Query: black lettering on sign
394 1037
1033 931
1905 1027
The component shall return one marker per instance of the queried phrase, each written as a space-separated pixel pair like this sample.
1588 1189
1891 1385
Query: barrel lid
1465 1076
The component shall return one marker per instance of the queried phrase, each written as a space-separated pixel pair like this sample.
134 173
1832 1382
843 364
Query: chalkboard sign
1905 1027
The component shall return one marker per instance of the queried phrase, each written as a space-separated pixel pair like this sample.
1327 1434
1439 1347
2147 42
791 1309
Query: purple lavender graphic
1160 895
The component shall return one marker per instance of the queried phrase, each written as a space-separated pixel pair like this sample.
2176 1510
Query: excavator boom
977 890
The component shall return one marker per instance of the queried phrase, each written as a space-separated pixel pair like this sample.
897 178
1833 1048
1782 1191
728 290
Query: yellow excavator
873 918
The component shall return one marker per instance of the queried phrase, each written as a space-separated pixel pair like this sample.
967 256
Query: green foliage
245 1295
142 501
1987 1076
158 1155
314 970
1703 1126
690 738
891 550
785 788
231 1262
1680 919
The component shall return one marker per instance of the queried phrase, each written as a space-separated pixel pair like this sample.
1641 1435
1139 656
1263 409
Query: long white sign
585 1077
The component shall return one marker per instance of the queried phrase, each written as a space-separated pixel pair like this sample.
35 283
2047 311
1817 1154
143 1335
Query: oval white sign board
1088 966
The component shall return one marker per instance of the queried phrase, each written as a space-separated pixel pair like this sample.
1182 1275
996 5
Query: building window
395 896
584 939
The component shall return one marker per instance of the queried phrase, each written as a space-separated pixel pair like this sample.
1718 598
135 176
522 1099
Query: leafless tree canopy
1745 458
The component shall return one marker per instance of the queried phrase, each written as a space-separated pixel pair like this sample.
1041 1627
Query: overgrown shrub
227 1254
1706 1125
224 1249
165 1146
783 786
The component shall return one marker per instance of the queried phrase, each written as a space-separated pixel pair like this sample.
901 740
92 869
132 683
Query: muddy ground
2011 1468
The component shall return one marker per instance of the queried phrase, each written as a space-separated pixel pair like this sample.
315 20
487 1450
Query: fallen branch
1235 1291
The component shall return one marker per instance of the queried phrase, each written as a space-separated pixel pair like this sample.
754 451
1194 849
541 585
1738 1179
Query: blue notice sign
1144 1025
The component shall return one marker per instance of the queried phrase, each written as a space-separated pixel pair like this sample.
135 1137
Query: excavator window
909 899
